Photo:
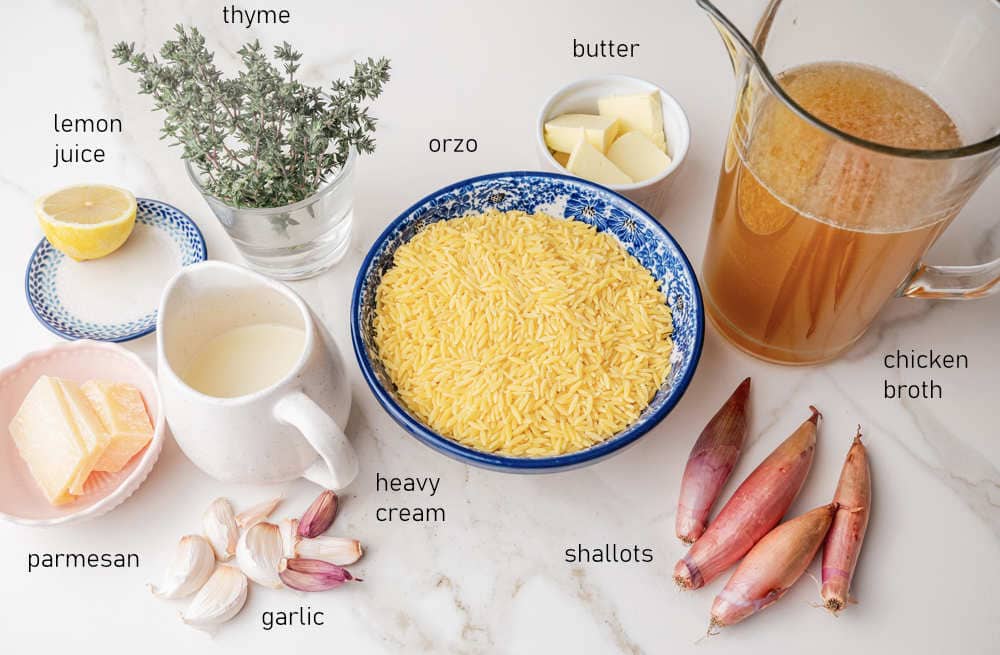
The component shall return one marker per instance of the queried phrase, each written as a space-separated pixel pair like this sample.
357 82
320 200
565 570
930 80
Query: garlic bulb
222 598
335 550
219 524
257 513
192 565
259 553
289 537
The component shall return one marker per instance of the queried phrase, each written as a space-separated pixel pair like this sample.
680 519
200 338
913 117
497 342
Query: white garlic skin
289 537
335 550
222 598
259 553
257 513
193 564
219 524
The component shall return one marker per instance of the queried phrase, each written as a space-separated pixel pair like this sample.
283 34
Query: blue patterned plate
560 196
114 298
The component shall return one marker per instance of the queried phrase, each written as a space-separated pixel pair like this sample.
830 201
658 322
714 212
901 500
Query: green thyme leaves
261 138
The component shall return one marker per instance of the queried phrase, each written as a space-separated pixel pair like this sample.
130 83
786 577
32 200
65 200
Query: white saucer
114 298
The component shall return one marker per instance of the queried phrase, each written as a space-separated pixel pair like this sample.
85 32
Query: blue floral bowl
560 196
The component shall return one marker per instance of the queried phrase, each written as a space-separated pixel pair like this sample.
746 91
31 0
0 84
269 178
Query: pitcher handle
338 463
953 282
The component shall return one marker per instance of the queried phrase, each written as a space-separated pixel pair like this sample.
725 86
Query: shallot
772 566
755 507
843 544
711 462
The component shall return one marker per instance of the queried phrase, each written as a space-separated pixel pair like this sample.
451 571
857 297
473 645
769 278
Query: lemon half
87 221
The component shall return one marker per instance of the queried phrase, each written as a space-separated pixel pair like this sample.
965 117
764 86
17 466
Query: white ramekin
581 97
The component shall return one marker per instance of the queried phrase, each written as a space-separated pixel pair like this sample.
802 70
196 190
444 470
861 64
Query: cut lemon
87 221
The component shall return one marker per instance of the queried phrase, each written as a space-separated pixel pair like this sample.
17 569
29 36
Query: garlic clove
222 598
193 563
319 517
259 554
313 574
335 550
257 513
219 524
289 537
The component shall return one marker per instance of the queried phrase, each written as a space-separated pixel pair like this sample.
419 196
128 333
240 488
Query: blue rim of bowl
464 453
127 337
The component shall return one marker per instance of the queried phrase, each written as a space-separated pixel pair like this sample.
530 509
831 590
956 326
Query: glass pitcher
860 130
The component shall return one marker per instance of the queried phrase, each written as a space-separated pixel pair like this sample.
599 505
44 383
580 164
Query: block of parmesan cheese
58 437
123 413
89 430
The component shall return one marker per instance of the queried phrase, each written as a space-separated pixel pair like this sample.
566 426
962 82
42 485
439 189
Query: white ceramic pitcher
288 430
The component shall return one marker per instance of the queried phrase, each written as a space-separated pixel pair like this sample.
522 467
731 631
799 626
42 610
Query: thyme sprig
262 138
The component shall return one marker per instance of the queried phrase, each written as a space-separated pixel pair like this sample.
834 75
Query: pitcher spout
740 48
208 297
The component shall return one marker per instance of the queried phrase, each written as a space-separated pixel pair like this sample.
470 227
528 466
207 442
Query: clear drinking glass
814 229
296 241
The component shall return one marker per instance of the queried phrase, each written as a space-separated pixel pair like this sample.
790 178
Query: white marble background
492 579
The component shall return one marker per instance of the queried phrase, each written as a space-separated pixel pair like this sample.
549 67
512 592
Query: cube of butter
587 162
123 413
641 111
563 132
637 156
58 437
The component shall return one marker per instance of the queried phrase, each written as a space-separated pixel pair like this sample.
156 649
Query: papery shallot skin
843 543
756 506
772 566
710 464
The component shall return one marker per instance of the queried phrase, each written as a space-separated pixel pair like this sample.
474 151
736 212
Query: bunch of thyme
261 139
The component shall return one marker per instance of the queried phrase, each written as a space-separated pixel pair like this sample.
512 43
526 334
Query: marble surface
491 579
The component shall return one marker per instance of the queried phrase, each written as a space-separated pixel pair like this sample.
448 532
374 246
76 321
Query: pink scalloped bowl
21 500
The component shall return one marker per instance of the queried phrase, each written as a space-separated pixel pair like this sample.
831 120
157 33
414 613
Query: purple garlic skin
319 517
313 575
